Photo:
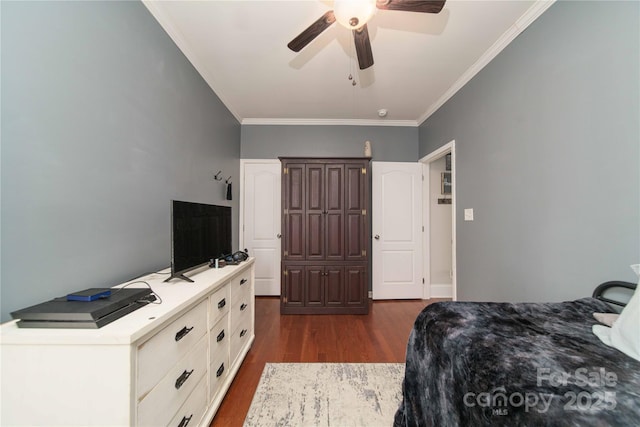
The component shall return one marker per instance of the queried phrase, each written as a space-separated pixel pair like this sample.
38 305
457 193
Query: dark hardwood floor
380 336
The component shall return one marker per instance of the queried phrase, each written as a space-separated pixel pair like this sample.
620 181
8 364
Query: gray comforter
475 364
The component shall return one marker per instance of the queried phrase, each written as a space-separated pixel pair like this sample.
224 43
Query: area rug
326 394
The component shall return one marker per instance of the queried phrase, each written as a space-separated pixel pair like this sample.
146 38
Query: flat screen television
200 233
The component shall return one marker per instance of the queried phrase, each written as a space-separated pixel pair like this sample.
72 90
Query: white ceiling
421 60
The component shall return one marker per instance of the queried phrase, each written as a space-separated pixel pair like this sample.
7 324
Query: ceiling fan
354 15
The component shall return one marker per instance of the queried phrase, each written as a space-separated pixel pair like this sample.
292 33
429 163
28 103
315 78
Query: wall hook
217 176
228 181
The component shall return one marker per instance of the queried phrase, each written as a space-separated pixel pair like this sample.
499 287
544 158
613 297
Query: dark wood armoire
325 236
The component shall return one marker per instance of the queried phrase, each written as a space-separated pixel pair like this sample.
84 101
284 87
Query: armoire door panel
295 191
315 286
356 213
335 286
315 188
335 236
354 188
315 236
294 285
335 212
355 237
355 282
295 237
315 212
335 188
293 205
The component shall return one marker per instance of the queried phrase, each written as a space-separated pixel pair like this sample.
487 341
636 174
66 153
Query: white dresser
162 365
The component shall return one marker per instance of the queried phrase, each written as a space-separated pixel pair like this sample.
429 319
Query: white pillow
606 318
625 332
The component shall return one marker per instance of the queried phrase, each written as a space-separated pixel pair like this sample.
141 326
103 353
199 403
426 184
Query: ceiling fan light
353 14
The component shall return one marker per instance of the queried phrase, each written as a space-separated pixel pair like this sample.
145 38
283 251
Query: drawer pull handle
183 333
220 371
243 281
243 306
222 303
185 421
243 333
220 336
182 378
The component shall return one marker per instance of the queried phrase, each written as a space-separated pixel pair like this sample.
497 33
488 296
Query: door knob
377 237
279 235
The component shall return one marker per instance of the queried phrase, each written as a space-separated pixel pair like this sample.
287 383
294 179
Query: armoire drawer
157 355
162 403
219 304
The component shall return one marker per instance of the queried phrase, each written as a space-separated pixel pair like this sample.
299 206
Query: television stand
159 365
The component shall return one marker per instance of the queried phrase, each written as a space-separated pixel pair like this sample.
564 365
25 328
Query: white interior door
397 230
261 223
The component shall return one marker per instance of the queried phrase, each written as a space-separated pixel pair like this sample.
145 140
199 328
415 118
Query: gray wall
104 121
547 142
388 143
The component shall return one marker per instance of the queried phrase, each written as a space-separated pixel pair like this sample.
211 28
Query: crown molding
180 41
329 122
537 9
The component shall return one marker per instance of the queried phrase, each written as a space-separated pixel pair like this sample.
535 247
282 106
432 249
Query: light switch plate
468 214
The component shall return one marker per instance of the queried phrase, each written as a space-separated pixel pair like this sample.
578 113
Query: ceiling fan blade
313 31
363 47
427 6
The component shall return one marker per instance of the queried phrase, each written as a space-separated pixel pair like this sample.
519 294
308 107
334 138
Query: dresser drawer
218 371
240 310
219 304
240 337
157 355
162 403
239 285
191 412
220 336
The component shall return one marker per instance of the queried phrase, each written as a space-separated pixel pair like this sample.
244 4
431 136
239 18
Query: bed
523 364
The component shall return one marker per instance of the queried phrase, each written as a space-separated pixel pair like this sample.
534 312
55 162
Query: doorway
439 219
396 220
260 220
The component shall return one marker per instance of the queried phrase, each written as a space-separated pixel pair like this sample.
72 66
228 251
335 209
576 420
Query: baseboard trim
441 290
